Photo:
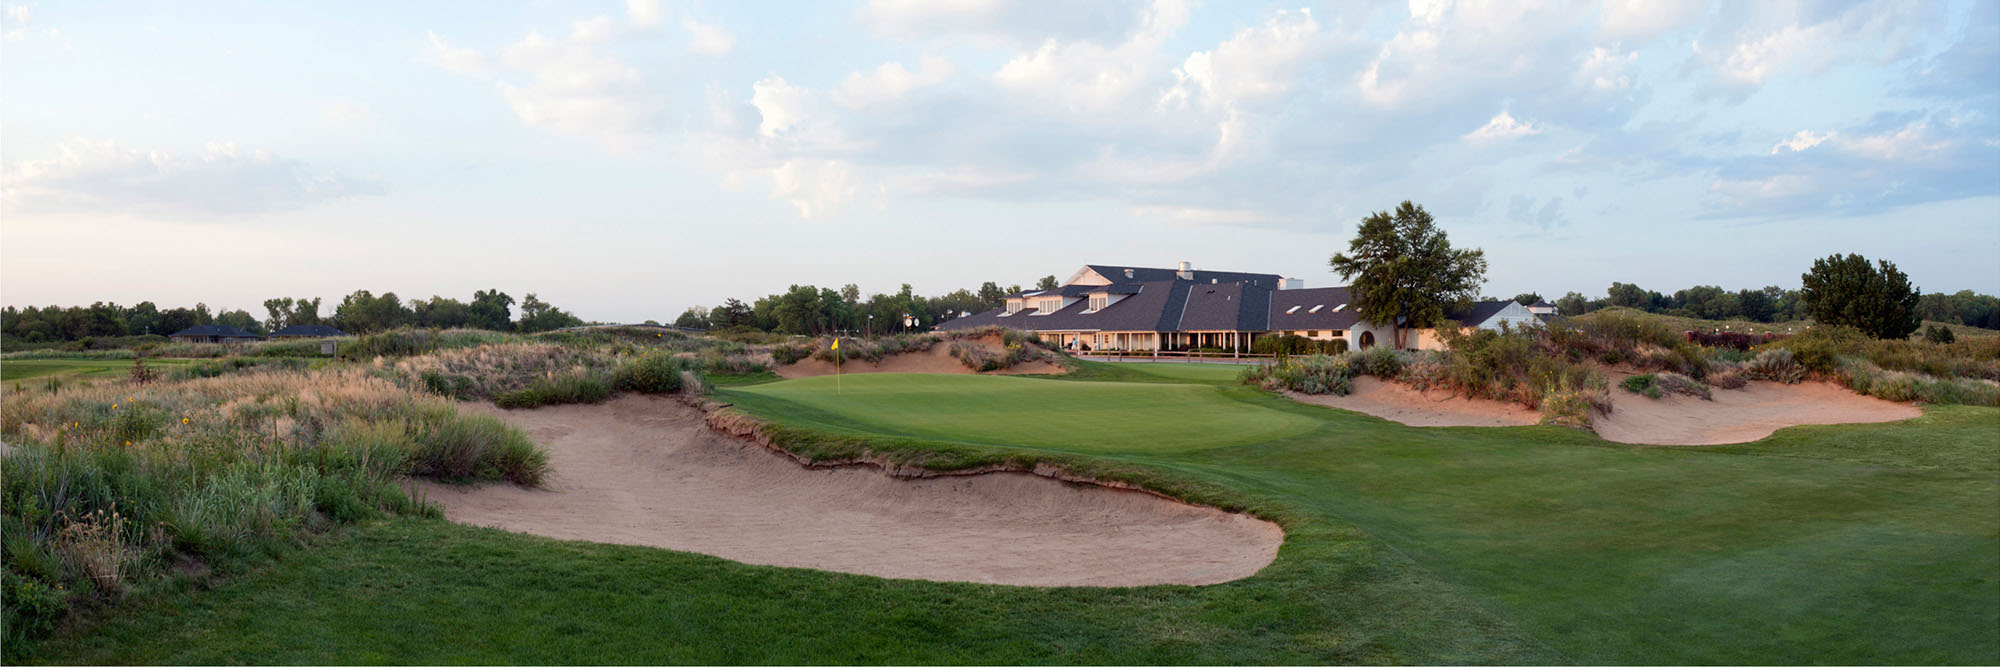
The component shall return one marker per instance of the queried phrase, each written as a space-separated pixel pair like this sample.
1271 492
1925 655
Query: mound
1399 402
1738 415
938 359
648 471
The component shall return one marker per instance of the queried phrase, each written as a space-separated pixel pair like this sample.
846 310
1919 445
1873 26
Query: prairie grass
115 483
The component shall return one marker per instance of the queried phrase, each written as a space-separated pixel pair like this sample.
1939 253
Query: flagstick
836 364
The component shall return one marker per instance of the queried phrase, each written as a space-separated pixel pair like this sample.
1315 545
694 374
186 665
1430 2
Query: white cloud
1803 140
1911 142
783 107
457 60
891 82
1196 215
1502 126
1607 69
707 39
1256 64
1635 21
1090 78
814 187
15 19
644 13
103 176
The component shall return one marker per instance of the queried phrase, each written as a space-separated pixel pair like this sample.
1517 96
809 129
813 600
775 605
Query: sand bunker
1738 415
648 471
938 359
1399 402
1735 415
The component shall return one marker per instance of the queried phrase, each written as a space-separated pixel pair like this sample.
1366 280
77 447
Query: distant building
307 331
1105 307
1542 308
212 333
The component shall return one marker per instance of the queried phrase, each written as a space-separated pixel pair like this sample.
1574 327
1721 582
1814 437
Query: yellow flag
836 343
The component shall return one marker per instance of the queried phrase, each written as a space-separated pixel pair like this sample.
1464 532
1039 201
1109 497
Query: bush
653 373
1288 344
1675 383
790 353
1310 374
1940 334
573 387
1774 365
1641 384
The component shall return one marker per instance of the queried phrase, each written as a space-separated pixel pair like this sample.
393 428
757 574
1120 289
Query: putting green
1012 411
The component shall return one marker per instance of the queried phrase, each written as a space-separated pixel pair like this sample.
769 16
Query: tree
1046 283
1403 271
240 319
1756 305
1847 291
363 312
538 315
1527 298
489 310
692 318
990 296
732 313
1572 303
441 312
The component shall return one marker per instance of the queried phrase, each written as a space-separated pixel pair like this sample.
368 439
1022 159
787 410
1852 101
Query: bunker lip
937 359
651 471
1409 406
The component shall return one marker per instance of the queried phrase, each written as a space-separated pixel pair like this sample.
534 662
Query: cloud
102 176
574 84
1763 42
1891 160
1608 69
814 187
14 20
1196 215
1502 126
644 13
708 40
1549 216
457 60
890 83
1255 65
1803 140
1001 22
1641 20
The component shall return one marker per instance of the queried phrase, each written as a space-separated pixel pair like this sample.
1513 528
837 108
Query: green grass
84 369
1026 412
1157 371
1876 543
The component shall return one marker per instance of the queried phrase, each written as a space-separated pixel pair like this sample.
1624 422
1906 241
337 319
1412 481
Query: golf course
1872 543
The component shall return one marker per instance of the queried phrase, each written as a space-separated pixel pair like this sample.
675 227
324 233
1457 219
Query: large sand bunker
648 471
1402 403
938 359
1739 415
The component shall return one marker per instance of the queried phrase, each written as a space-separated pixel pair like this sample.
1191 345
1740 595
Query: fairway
1213 373
1027 412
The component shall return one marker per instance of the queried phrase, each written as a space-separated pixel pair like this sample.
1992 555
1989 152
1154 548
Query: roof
223 331
309 331
1541 304
1311 309
1179 305
1140 274
1480 311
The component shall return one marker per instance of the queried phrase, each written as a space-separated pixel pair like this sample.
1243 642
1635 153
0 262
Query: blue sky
628 159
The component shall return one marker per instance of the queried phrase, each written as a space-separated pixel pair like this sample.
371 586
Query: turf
1875 543
1027 412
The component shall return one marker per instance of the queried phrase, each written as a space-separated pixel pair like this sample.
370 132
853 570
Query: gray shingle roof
1480 312
1140 274
213 330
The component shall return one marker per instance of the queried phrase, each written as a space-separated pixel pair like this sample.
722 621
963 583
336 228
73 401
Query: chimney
1291 283
1186 272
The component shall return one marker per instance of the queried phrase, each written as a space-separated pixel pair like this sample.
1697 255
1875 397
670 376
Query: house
1105 307
1542 308
1489 315
212 333
297 331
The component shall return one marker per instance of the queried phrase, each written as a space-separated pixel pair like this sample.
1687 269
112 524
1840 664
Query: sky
626 160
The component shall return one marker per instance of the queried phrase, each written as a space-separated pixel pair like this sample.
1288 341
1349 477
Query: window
1099 301
1337 308
1013 306
1315 309
1293 309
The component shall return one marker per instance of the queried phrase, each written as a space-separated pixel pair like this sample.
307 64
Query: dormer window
1315 309
1013 306
1337 308
1293 309
1099 301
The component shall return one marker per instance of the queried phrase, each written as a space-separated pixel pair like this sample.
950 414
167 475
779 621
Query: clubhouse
1102 307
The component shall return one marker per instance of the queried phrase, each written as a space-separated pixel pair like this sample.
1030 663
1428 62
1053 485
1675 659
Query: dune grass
1876 543
82 369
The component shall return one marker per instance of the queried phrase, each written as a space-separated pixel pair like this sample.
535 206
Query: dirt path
1738 415
1399 402
648 471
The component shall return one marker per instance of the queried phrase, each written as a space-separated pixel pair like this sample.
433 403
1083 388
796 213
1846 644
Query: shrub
1288 344
653 373
1940 334
790 353
1640 384
1775 365
563 388
1675 383
1310 374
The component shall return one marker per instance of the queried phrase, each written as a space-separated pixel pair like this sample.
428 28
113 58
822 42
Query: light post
871 324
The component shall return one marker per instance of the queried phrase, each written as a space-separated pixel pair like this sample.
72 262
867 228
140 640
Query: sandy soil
648 471
1399 402
938 359
1737 415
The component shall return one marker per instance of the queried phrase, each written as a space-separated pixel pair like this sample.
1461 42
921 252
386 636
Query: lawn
1027 412
82 369
1873 543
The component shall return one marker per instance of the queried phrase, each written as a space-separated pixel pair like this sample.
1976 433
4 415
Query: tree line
813 310
360 312
1770 304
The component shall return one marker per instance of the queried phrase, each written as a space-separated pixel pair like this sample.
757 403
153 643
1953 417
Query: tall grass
114 485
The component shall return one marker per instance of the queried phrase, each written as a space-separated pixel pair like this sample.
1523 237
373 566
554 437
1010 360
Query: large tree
1404 272
1848 291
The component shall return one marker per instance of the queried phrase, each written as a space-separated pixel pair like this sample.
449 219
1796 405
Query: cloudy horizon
626 160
